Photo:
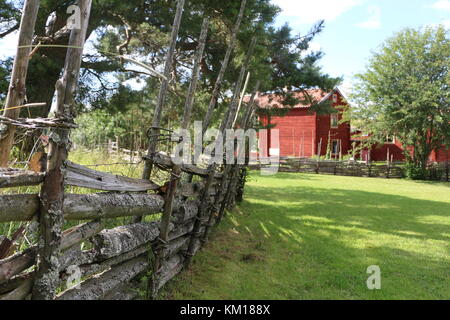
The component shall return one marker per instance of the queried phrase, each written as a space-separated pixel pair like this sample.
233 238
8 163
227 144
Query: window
334 120
390 139
336 147
335 98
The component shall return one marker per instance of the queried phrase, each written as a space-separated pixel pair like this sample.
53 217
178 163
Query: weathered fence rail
109 262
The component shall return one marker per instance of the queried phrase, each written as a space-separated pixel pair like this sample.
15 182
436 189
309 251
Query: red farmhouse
302 131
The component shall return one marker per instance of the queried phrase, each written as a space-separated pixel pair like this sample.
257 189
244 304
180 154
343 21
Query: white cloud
307 11
374 21
8 45
441 5
313 47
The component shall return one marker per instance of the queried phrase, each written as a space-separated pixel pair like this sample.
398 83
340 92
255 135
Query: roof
316 95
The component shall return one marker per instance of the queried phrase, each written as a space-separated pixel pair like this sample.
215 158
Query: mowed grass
300 236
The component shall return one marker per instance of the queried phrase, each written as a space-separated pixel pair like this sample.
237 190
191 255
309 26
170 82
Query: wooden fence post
220 77
16 90
232 113
446 170
204 209
203 206
176 171
319 147
225 62
155 130
236 169
388 170
52 193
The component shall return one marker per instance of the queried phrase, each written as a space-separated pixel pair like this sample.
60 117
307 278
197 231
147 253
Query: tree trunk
17 91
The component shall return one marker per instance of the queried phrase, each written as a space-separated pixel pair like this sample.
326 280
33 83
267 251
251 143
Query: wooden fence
119 255
439 171
110 262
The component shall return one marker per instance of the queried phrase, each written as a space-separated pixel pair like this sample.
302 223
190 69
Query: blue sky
354 28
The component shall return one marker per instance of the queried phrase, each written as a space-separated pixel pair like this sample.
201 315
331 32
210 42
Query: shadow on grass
335 234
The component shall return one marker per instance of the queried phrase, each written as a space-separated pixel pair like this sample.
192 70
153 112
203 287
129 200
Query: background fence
437 171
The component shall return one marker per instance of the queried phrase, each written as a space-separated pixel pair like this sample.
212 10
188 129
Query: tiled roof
274 101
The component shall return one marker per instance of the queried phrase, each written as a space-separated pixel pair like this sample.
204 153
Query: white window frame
390 142
339 143
335 97
336 116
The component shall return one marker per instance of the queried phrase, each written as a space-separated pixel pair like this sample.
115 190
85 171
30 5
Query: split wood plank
98 286
80 176
166 162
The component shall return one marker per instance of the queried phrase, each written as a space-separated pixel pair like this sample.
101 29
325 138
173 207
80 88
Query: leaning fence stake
223 69
226 123
154 130
232 112
234 176
176 171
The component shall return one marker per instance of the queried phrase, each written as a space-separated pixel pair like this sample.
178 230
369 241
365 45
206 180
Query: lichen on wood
187 211
113 242
10 178
111 205
98 286
18 207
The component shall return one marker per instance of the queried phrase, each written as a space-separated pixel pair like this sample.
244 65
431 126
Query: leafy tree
9 17
405 92
5 71
141 29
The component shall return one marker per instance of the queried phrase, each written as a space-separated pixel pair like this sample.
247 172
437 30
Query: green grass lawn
300 236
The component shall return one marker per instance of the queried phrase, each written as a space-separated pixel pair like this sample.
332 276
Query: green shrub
432 172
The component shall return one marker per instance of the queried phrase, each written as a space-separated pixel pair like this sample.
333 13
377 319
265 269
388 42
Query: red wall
379 152
440 155
297 132
343 132
301 130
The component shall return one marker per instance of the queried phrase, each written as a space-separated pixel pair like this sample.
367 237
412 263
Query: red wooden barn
393 150
302 131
